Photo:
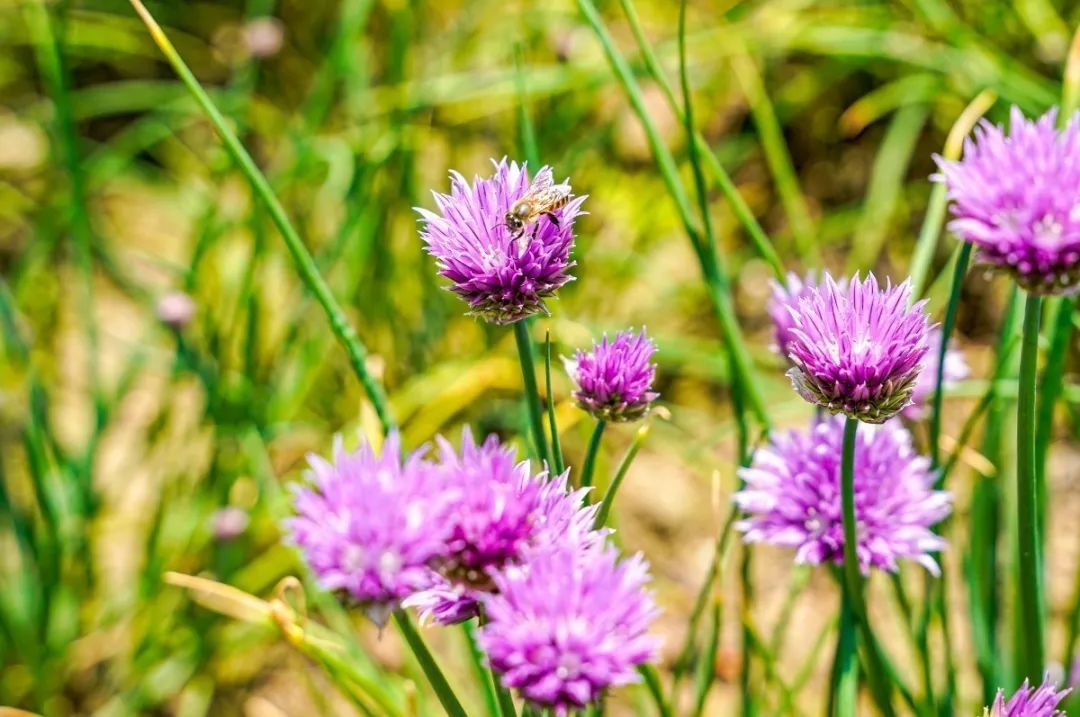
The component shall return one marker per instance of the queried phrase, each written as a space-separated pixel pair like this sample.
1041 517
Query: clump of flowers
370 524
1028 701
570 624
956 369
497 513
792 497
613 381
783 300
504 275
1016 197
858 349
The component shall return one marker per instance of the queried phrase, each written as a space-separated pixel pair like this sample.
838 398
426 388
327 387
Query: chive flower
504 274
570 624
857 349
1028 701
791 497
370 524
1016 198
498 513
613 381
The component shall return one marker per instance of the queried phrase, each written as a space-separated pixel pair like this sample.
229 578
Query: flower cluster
1016 198
1028 701
792 497
474 531
857 349
504 275
613 381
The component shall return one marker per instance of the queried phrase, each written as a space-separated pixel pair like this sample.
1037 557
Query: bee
544 198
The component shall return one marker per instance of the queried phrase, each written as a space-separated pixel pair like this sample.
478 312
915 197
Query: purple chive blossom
792 497
504 277
956 369
369 525
570 624
782 298
498 512
1017 199
613 381
1028 701
858 349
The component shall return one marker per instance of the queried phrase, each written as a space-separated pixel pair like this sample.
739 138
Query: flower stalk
532 396
1029 563
589 465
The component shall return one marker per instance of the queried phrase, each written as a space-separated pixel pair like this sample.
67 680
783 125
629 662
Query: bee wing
541 182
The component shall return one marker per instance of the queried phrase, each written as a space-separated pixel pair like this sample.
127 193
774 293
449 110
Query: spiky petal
570 624
1028 701
858 349
1016 197
503 278
792 496
370 524
613 380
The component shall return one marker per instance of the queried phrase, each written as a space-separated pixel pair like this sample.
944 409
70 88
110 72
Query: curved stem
844 683
1029 564
431 670
620 473
532 397
590 454
305 264
962 261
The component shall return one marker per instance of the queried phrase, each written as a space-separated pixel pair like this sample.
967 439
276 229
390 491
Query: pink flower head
505 276
613 381
791 497
858 349
1016 197
569 624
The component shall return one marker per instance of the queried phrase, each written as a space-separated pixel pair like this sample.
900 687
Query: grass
794 134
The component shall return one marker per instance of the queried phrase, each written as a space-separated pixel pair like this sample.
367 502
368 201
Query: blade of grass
590 454
735 200
556 446
926 244
959 271
305 265
532 397
613 487
715 278
434 675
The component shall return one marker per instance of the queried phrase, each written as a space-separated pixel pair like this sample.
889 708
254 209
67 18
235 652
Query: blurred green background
134 441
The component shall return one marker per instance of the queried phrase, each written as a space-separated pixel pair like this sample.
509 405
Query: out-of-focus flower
784 299
956 369
503 275
1028 701
1016 197
858 349
263 36
371 525
613 381
229 523
497 513
792 497
570 624
175 309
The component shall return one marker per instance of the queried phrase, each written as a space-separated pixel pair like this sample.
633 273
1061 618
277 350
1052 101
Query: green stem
305 264
1049 392
488 680
532 396
844 683
620 473
556 446
590 454
853 579
962 261
431 669
656 690
1029 564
